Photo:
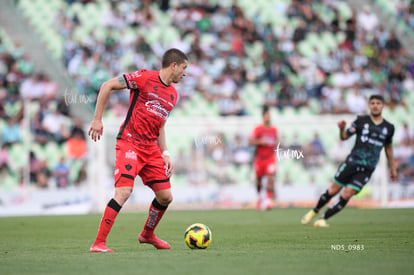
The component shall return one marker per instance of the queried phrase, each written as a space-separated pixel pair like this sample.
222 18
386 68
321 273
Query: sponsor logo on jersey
137 74
155 107
371 141
365 132
375 142
155 96
131 155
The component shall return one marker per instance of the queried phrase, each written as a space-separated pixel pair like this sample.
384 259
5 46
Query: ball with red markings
198 236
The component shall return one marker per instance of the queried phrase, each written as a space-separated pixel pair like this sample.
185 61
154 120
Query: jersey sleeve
390 136
255 133
353 128
136 80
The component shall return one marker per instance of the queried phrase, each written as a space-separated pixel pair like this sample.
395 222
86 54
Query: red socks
108 219
156 211
155 214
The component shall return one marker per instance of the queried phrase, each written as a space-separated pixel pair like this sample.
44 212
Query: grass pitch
359 241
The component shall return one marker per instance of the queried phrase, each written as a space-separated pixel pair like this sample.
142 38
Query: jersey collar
376 124
166 85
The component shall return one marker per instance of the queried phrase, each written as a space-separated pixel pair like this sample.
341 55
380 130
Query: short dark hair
265 109
379 97
173 55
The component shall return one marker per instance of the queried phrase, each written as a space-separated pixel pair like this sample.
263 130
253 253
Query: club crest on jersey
365 131
384 131
133 84
131 155
128 167
172 97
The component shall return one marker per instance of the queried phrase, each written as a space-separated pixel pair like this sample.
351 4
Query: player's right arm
344 133
254 138
255 141
96 128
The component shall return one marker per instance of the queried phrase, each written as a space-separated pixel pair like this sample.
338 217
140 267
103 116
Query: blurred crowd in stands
369 59
405 11
34 116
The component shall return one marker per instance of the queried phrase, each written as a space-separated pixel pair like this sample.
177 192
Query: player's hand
394 175
342 124
264 141
96 130
169 169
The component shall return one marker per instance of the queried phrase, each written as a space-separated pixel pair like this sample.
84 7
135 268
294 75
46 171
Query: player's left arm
389 152
164 152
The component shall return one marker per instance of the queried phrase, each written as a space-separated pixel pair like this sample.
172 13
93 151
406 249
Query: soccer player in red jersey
141 143
264 137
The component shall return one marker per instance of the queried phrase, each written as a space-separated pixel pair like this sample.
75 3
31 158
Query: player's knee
348 193
165 199
164 196
334 189
122 194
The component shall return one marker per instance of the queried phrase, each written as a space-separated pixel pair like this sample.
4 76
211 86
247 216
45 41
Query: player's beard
376 114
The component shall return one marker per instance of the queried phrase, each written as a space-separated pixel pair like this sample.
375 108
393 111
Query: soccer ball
198 236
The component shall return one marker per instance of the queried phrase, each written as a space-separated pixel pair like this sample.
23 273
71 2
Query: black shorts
351 175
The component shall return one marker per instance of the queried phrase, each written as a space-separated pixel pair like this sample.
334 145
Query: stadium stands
26 117
296 47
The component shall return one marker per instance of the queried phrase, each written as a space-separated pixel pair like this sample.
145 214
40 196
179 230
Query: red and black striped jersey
150 103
